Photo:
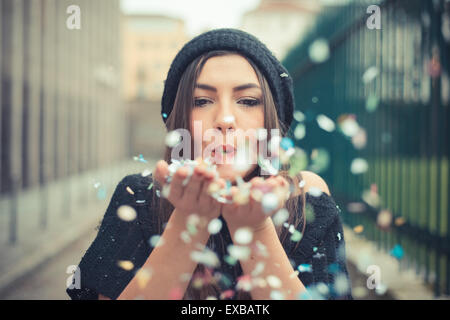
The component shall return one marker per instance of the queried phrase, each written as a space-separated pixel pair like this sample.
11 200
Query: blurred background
81 84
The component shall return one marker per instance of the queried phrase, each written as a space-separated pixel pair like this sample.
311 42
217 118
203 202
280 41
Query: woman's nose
225 122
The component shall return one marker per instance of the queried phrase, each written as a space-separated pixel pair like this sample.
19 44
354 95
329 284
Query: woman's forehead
229 68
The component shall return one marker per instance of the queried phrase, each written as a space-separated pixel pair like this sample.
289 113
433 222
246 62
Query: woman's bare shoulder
313 180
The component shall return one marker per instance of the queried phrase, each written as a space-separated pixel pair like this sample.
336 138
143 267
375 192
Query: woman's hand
254 214
192 197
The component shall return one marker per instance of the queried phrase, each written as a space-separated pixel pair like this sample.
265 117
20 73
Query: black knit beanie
279 80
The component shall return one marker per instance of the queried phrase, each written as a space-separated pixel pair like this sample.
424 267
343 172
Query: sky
198 14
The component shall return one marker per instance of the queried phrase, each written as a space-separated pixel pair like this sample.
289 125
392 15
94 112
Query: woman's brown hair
180 117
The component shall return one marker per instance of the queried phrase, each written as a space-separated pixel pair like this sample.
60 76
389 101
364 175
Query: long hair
180 117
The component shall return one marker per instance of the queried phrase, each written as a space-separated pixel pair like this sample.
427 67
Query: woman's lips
227 151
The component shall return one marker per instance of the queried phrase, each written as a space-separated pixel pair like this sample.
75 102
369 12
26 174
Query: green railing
403 107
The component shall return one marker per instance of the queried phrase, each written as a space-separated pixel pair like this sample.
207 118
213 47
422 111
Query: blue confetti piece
397 252
101 193
286 143
164 115
304 268
333 268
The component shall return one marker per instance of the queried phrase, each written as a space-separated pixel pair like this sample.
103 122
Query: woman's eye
200 102
250 102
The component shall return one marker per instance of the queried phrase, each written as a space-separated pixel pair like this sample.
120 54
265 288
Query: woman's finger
161 171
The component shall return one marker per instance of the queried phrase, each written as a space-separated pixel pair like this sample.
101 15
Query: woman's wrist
256 228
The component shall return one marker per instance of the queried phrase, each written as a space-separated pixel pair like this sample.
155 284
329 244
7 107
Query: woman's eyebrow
238 88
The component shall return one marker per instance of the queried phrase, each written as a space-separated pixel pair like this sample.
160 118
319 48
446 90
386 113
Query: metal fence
395 82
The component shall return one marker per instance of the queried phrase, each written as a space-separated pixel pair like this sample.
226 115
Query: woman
227 81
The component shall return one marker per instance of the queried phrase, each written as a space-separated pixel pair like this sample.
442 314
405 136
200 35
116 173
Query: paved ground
48 281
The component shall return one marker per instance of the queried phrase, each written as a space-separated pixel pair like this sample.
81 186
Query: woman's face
228 101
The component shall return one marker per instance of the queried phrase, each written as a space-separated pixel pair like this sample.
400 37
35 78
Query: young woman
229 82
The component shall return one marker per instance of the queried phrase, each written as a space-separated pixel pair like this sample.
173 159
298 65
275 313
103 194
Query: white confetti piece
243 236
214 226
239 252
302 184
325 123
280 216
143 276
349 126
126 213
359 166
299 116
156 241
315 192
370 74
206 257
276 295
228 119
173 138
284 75
341 285
319 50
258 269
146 173
269 202
273 281
384 219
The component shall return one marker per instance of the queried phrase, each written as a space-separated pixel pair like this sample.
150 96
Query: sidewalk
66 222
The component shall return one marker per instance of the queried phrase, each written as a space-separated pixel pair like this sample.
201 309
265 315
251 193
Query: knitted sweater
319 257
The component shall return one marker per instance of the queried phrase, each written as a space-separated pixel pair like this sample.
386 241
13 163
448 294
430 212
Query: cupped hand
265 198
192 197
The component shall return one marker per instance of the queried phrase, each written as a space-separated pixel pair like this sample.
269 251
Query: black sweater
322 247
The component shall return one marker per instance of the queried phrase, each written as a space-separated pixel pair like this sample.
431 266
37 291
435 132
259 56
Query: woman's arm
276 264
168 261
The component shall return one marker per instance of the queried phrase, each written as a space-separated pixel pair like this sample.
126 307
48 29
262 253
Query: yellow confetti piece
125 264
143 276
358 229
129 190
400 221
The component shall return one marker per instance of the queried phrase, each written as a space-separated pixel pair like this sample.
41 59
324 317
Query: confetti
143 276
333 268
140 158
96 185
214 226
359 292
276 295
164 115
299 116
358 229
381 289
176 294
158 193
359 166
239 252
129 190
315 99
125 264
101 193
286 143
384 219
258 269
150 186
397 252
341 285
296 236
399 221
244 283
304 268
372 198
339 236
280 216
302 184
227 294
230 260
325 123
320 160
370 74
319 50
284 75
126 213
146 173
348 125
243 236
315 192
300 131
273 281
372 103
165 191
192 222
269 202
173 138
156 241
206 257
185 236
